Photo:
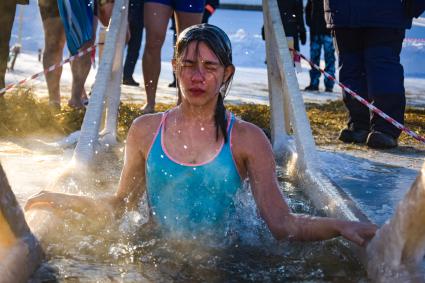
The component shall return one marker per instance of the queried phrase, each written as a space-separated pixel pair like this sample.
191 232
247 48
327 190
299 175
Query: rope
49 69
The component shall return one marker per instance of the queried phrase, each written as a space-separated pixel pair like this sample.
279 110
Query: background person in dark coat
7 15
320 36
135 23
368 37
292 15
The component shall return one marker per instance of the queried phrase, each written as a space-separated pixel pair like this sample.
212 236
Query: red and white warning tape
364 102
49 69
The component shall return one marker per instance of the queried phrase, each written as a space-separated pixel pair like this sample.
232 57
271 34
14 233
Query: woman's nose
198 74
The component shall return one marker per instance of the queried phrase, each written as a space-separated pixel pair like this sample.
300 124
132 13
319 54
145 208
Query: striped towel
77 18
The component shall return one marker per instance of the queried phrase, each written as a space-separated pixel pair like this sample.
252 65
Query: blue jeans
316 43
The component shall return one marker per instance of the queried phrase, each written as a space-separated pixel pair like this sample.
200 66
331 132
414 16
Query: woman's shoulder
148 119
144 128
147 122
244 131
244 127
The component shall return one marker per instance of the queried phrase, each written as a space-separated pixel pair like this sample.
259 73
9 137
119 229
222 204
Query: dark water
134 251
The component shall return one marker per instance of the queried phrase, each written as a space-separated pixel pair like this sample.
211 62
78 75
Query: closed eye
188 63
211 66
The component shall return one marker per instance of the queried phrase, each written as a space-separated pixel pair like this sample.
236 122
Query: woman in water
192 160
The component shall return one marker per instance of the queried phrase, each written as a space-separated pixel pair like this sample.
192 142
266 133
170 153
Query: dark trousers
369 64
135 21
7 15
316 43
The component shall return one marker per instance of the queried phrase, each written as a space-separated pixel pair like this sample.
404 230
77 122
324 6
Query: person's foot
311 88
148 109
130 81
55 106
172 84
85 98
329 89
380 140
76 104
349 135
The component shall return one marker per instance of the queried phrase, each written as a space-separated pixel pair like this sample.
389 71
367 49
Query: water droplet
185 146
202 128
162 155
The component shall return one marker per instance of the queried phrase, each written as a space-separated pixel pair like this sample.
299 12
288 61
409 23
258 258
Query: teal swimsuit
191 198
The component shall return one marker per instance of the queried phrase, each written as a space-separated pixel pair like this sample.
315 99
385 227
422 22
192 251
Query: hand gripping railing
396 253
292 138
290 125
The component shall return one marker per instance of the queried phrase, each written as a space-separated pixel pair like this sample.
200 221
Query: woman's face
200 74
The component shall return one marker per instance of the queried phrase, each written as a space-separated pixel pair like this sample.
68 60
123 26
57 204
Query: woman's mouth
196 91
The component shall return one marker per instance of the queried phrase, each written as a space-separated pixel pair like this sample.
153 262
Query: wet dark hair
219 43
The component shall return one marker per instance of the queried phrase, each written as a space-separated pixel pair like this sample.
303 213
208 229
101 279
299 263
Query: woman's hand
45 199
358 232
81 204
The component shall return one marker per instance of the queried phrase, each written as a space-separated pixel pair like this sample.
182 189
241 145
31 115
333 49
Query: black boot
380 140
130 81
311 88
351 135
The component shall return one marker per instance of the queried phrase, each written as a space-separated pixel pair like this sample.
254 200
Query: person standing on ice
292 16
210 8
135 25
320 36
193 159
157 14
71 22
369 35
7 15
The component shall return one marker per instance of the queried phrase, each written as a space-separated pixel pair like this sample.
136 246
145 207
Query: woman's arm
131 186
260 164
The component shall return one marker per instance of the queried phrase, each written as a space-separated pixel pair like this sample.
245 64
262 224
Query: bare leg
156 17
80 70
54 42
185 20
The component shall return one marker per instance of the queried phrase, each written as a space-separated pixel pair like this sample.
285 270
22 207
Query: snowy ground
244 29
250 85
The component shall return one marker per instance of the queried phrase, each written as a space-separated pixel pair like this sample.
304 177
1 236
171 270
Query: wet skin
201 75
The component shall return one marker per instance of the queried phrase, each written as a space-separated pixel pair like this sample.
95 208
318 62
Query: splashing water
138 251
